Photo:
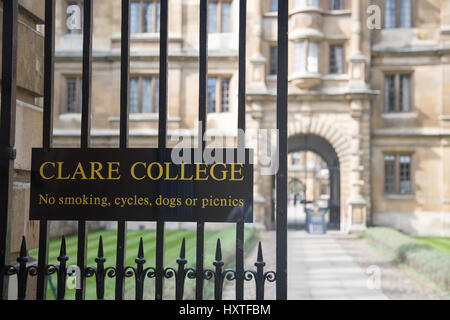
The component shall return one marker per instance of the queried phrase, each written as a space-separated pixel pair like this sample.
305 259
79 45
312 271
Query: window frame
273 60
398 17
398 91
155 23
154 93
397 173
306 48
330 70
219 98
219 18
78 94
273 6
333 4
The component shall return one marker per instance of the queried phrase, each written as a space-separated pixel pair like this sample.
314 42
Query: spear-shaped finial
183 249
260 260
100 258
218 251
141 248
140 258
23 252
260 253
63 251
182 258
23 247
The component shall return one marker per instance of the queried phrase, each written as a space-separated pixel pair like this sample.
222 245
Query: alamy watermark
220 148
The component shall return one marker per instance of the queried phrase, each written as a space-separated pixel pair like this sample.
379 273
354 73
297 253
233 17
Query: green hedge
431 263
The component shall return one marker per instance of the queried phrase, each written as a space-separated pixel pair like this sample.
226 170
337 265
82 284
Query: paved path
319 268
333 266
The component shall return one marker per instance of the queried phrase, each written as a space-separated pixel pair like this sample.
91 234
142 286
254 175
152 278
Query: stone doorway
313 179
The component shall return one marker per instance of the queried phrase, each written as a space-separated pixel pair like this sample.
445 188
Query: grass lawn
435 242
173 239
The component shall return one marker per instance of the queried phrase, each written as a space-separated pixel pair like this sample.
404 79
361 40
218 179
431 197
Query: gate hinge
8 153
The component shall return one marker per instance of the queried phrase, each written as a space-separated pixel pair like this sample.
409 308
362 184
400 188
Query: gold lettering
149 171
182 178
41 170
133 174
96 167
79 171
224 172
113 168
60 176
199 171
168 173
234 171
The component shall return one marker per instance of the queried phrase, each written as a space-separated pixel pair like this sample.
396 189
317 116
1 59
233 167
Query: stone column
445 21
357 205
357 61
255 39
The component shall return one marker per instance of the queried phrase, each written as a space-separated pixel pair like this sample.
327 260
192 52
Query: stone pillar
257 60
357 205
357 61
445 21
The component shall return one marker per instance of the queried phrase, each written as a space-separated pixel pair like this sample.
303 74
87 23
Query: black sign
142 185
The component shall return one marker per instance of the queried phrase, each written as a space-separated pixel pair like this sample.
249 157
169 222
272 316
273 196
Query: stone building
28 124
367 92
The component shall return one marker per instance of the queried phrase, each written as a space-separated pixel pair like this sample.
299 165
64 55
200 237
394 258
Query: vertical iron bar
202 116
124 116
85 132
47 136
62 270
181 273
241 142
22 274
139 274
7 133
162 138
281 179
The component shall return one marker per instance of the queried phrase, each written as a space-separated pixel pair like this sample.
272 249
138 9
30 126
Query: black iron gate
120 271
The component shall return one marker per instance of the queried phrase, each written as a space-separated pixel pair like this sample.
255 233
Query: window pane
273 68
405 174
274 5
226 16
71 95
157 94
212 95
336 4
389 173
389 93
212 17
314 3
405 93
148 17
300 57
405 14
337 59
225 95
313 58
147 99
390 14
135 20
158 15
134 95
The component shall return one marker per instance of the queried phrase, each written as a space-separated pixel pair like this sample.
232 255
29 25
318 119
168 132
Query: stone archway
320 146
346 131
